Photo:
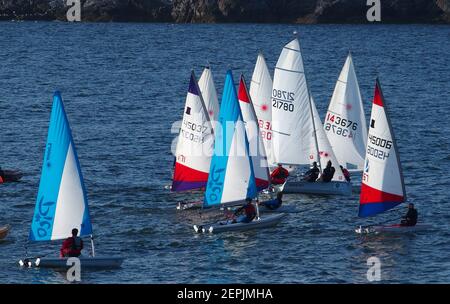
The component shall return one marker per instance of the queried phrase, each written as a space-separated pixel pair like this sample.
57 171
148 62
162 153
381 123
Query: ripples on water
123 86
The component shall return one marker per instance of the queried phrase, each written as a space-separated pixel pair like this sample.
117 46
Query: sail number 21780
283 100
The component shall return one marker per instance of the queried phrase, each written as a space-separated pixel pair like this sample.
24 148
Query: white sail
326 152
382 185
209 94
291 115
195 143
261 93
345 122
256 146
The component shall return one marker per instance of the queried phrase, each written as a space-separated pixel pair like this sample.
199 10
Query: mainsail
291 116
257 151
345 122
61 203
195 143
231 176
209 94
382 181
261 93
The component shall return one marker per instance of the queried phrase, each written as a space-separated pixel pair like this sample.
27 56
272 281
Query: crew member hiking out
312 174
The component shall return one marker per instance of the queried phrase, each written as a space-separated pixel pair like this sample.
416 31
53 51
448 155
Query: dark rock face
288 11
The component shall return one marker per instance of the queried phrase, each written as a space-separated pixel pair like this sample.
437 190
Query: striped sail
209 94
195 143
382 185
231 176
61 203
326 152
291 115
261 94
257 151
345 122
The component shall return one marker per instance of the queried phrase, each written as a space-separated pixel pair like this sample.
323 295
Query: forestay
261 93
291 117
61 203
231 176
195 143
382 181
345 122
257 151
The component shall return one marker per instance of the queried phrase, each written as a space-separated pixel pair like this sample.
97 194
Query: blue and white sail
61 203
231 177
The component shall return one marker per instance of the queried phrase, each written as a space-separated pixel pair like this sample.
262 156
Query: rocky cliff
288 11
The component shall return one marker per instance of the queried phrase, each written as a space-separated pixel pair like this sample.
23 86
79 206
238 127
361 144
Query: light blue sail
231 177
61 203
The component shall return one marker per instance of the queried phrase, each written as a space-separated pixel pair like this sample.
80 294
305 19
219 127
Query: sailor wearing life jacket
72 246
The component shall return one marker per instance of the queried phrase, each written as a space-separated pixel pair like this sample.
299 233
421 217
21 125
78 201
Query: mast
92 246
310 109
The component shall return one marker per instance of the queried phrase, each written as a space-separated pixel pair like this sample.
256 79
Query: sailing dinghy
209 94
345 121
382 185
298 136
232 177
62 203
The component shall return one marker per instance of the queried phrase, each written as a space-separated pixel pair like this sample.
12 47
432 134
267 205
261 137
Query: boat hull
395 228
11 176
4 230
331 188
265 222
85 262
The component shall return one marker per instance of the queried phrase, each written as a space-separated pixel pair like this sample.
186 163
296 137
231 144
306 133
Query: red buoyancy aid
72 247
279 176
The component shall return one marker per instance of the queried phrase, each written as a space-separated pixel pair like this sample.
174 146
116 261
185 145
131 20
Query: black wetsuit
410 219
328 174
312 174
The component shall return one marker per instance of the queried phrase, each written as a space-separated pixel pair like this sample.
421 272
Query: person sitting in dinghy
249 212
2 175
72 246
279 175
312 174
328 173
274 204
346 173
410 219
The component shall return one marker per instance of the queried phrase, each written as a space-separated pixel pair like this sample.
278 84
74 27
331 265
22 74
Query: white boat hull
395 228
265 222
331 188
86 262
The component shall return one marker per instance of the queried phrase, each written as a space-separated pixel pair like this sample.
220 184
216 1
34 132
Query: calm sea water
124 85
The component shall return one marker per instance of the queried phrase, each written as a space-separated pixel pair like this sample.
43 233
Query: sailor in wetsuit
72 246
410 219
249 212
274 204
312 174
328 173
2 175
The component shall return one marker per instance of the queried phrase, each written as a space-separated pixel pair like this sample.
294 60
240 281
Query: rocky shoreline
222 11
